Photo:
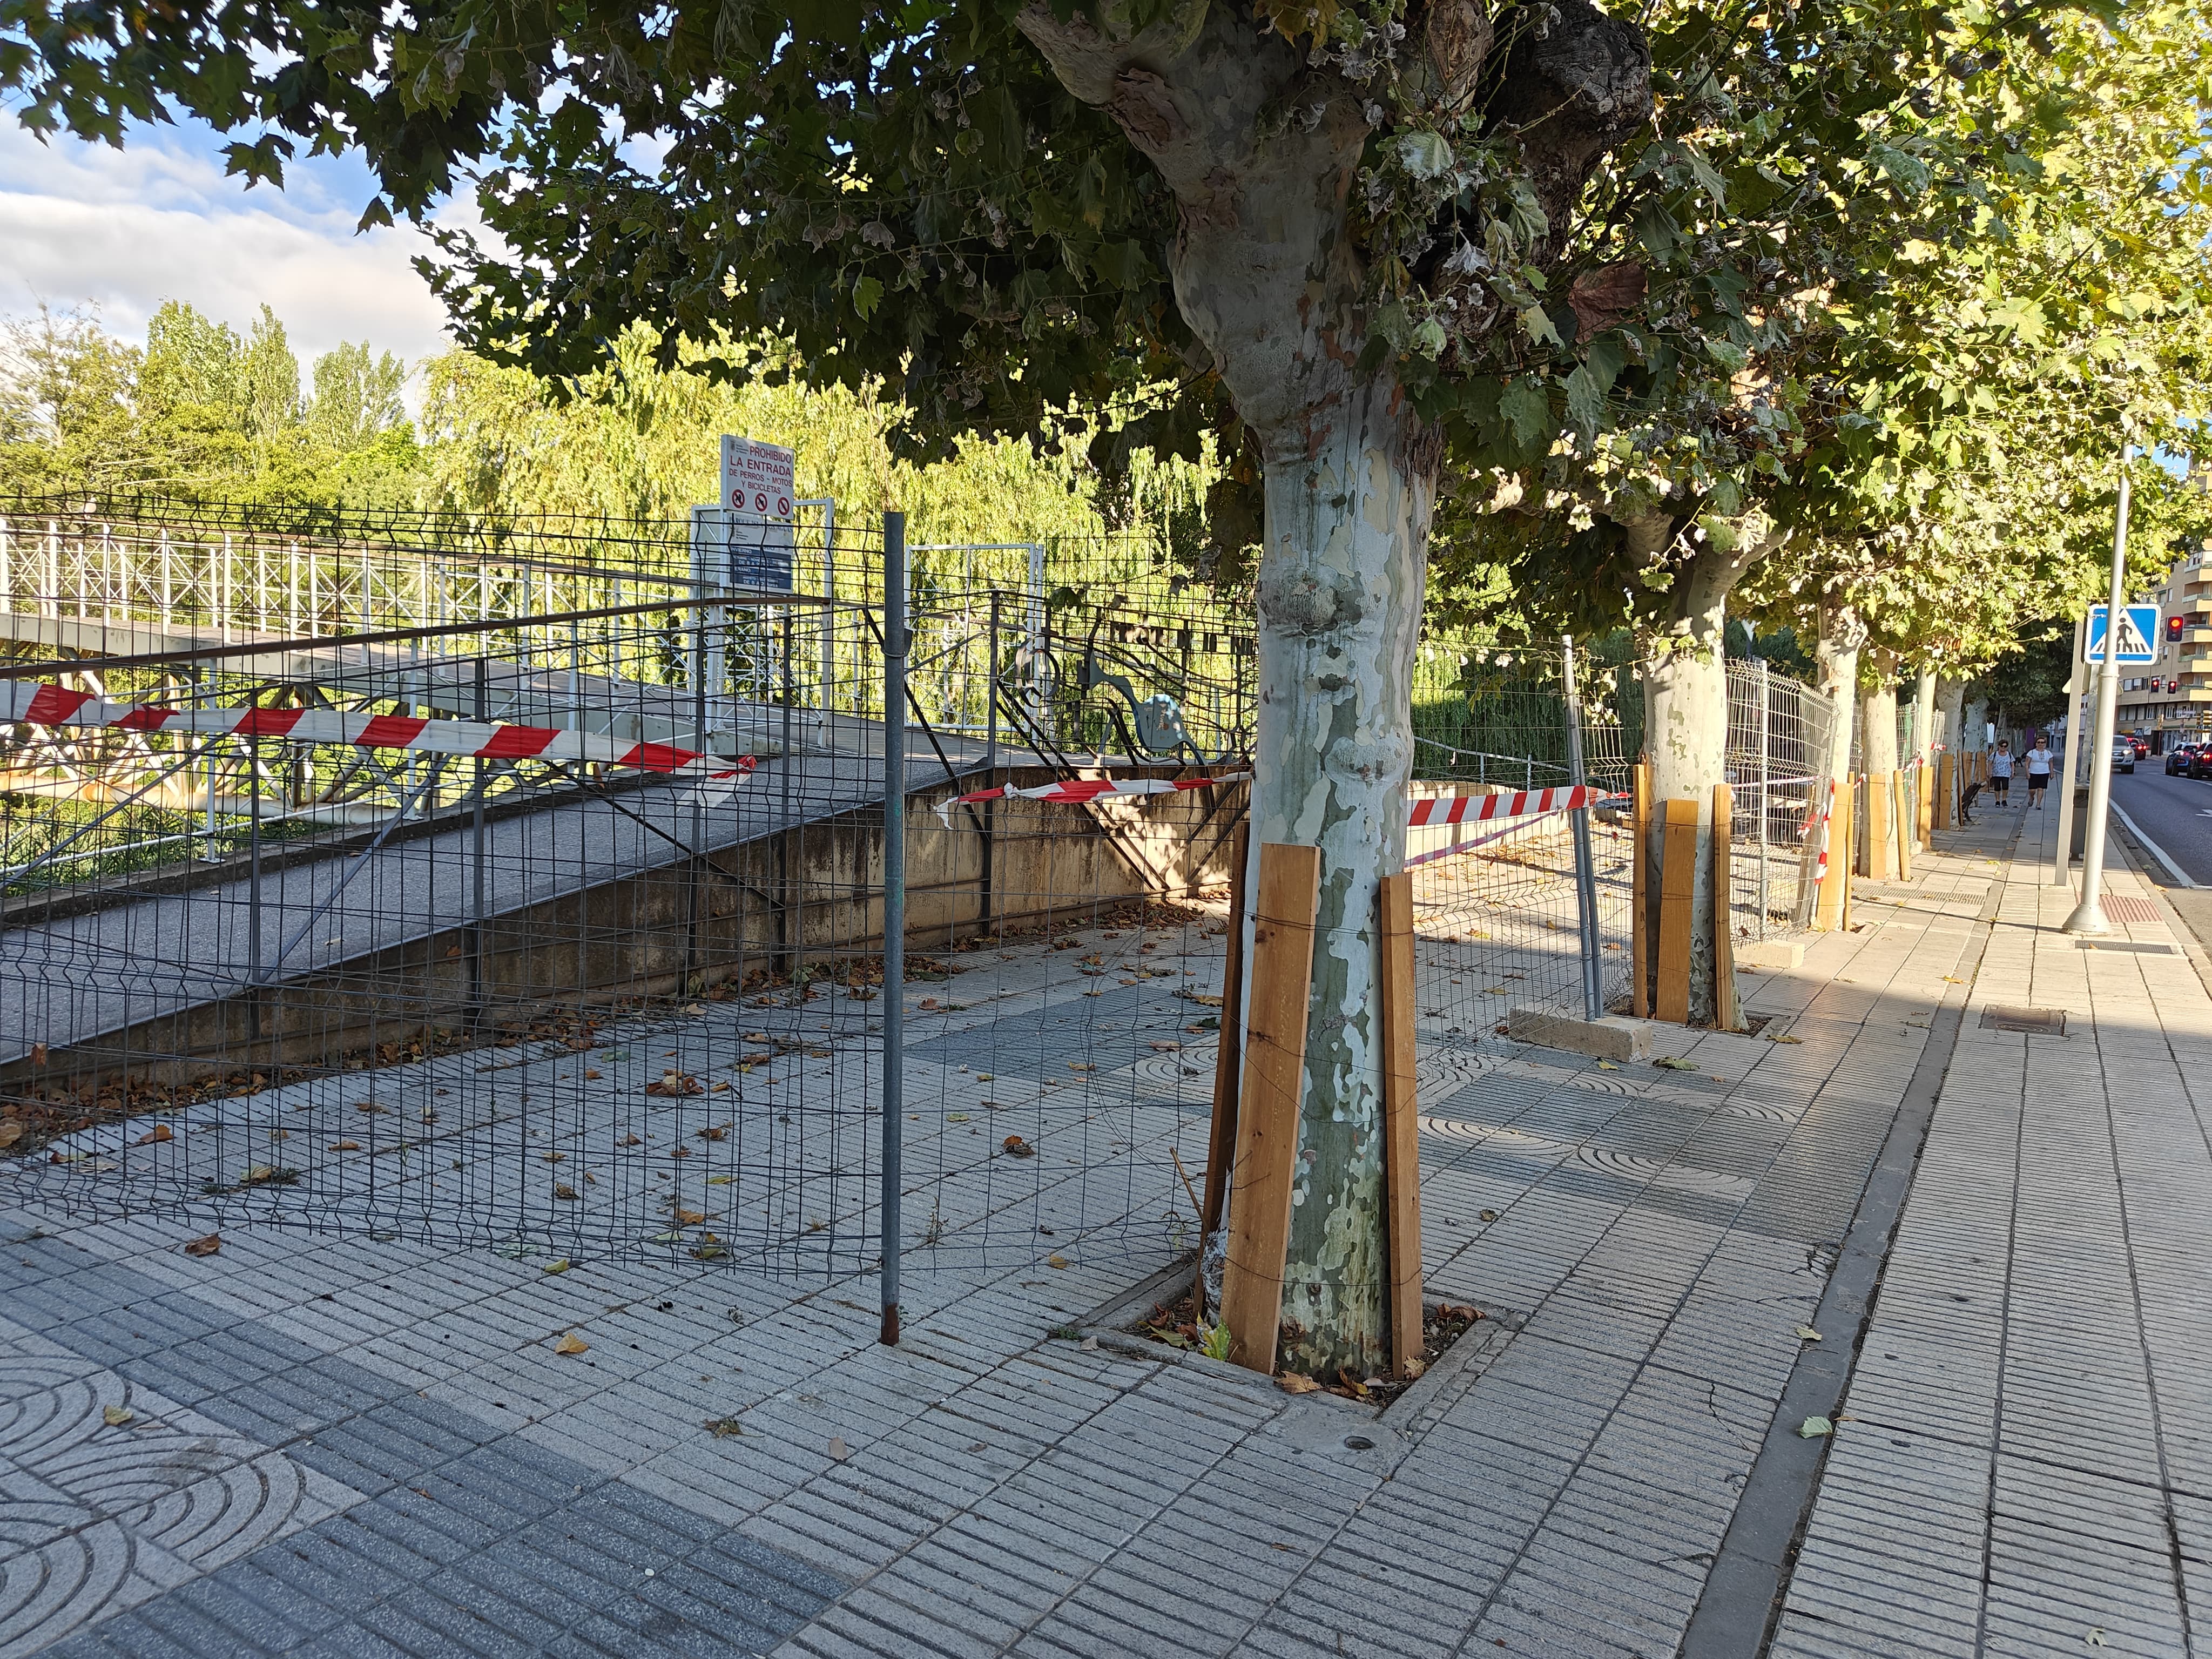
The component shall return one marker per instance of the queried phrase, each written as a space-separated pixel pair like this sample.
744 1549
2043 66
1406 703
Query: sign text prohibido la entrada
759 486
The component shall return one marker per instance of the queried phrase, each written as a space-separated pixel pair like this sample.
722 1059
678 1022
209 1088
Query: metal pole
254 879
1765 777
477 975
2088 915
1585 865
894 648
2061 855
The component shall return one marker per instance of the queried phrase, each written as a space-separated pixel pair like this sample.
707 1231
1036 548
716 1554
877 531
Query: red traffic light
2174 627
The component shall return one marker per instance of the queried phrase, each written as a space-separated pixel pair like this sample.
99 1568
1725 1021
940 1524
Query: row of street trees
1831 311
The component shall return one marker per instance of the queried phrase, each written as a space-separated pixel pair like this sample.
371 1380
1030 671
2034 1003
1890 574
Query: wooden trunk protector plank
1828 914
1904 812
1726 1014
1401 1151
1879 864
1283 914
1946 783
1678 887
1639 903
1221 1142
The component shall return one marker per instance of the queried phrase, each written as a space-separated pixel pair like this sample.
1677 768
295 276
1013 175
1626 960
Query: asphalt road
2177 814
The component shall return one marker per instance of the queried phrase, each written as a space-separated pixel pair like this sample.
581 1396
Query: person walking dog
2039 771
2001 772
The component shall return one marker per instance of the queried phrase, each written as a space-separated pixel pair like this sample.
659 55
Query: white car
2123 755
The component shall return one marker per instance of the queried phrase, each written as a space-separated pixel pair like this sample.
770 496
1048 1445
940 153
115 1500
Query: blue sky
126 229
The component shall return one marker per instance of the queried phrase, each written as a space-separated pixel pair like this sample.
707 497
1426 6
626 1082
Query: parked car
2178 759
2123 755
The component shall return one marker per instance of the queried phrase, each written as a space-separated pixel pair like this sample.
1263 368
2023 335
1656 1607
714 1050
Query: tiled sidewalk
2025 1464
362 1448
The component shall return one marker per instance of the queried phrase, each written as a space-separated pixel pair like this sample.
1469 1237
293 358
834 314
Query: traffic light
2173 626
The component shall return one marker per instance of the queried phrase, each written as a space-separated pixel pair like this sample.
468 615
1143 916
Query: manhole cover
2036 1021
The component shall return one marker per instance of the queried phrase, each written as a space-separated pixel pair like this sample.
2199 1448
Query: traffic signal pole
2088 915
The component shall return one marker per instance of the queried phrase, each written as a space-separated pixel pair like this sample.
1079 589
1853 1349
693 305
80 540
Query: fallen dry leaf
562 1190
560 1267
366 1106
1080 1065
571 1343
1813 1427
156 1135
38 1053
1015 1147
1784 1037
690 1217
629 1140
591 1077
715 1132
722 1088
10 1133
345 1146
724 1428
1055 1261
555 1158
838 1448
1807 1334
1291 1382
1167 1047
116 1416
205 1246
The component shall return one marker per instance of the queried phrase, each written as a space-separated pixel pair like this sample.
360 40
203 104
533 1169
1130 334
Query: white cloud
126 229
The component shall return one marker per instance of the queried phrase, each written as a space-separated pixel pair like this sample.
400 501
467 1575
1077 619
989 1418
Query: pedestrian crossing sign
2138 640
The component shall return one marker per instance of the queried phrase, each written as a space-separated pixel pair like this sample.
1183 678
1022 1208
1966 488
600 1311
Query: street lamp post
2088 915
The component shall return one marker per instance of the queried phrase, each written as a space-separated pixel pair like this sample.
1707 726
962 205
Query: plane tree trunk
1686 714
1263 153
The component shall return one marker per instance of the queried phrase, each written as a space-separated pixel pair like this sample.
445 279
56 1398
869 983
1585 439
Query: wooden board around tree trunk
1639 902
1726 1014
1835 885
1903 812
1401 1140
1947 776
1221 1141
1284 908
1678 889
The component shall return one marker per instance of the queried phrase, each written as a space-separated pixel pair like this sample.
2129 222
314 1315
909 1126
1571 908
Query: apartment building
2173 697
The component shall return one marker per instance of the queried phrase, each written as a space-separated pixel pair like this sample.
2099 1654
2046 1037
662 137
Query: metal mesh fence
559 929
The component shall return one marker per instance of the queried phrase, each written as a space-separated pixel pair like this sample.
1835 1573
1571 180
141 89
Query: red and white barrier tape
1425 812
54 705
1074 791
1430 810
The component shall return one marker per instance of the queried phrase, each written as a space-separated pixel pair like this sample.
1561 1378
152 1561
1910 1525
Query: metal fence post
1585 866
1766 772
477 975
894 993
253 880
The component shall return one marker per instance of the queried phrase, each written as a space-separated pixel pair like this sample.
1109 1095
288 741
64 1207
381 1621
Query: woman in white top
2038 772
2001 772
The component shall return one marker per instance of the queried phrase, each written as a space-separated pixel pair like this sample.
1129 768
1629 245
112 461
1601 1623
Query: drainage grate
2036 1021
2131 946
2123 908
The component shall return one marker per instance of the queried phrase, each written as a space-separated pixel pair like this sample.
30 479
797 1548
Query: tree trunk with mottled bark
1685 722
1262 153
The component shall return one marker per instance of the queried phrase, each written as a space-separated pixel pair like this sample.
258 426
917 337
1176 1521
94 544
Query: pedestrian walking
2001 772
2038 772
